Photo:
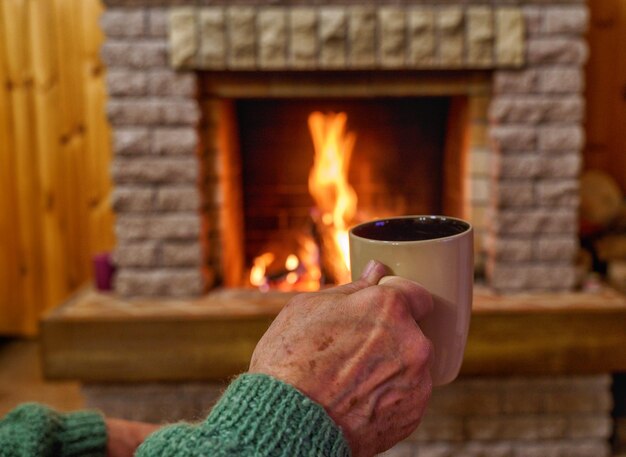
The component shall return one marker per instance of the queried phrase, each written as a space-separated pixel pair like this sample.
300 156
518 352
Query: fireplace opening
276 231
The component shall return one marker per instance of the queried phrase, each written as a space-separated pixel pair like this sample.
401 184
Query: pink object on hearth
103 270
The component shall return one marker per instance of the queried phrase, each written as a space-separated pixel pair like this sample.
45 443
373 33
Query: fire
329 186
336 204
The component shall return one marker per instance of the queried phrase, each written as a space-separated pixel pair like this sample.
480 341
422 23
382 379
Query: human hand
357 350
124 437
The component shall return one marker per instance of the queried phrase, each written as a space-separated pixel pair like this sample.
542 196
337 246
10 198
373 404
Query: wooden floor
21 379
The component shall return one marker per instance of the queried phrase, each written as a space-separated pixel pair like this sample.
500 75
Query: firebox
299 171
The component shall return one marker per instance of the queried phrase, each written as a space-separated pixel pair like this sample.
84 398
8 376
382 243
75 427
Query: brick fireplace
178 71
174 70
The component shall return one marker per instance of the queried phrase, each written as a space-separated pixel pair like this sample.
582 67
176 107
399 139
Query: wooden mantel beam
100 338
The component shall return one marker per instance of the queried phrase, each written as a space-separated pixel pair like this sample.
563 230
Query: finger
372 273
420 301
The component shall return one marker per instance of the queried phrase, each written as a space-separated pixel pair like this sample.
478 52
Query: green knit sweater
257 416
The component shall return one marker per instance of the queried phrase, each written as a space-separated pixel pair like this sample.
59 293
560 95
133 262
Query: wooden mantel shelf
101 338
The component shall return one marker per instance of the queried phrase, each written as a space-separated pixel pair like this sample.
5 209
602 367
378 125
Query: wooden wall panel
54 155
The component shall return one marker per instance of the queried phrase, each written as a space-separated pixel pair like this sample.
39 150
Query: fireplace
181 78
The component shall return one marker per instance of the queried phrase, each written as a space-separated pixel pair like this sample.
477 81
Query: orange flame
328 183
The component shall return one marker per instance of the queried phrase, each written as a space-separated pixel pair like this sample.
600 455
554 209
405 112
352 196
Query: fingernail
369 268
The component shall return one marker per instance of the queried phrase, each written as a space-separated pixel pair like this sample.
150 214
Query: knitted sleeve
33 430
257 416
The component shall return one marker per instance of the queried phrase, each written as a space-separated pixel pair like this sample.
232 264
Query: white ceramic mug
438 253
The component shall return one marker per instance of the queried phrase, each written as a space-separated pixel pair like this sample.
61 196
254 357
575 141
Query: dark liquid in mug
410 229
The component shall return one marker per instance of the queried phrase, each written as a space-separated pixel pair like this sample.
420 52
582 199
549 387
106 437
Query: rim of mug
469 229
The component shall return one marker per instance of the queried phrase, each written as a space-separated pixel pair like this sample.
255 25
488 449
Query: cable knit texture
33 430
257 416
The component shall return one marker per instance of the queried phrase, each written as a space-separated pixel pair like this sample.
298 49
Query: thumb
373 272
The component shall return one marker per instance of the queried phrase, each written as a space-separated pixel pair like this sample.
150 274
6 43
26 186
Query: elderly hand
357 350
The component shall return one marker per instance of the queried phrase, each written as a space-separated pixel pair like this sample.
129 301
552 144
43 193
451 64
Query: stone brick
509 249
480 162
480 36
574 400
181 226
332 35
179 112
131 141
241 32
241 37
585 448
421 26
126 82
181 254
303 27
556 50
534 221
171 83
437 450
534 109
138 254
538 449
401 449
180 198
560 80
504 276
166 282
557 192
131 227
480 190
134 54
590 426
132 199
451 40
152 111
272 31
158 403
175 141
155 170
557 138
513 193
392 37
563 248
212 38
509 49
515 427
183 36
127 112
533 20
517 109
513 138
439 428
516 165
362 36
566 20
565 165
553 277
123 22
523 400
157 22
518 82
564 109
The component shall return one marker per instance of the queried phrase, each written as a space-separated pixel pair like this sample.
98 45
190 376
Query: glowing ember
292 262
257 274
328 184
